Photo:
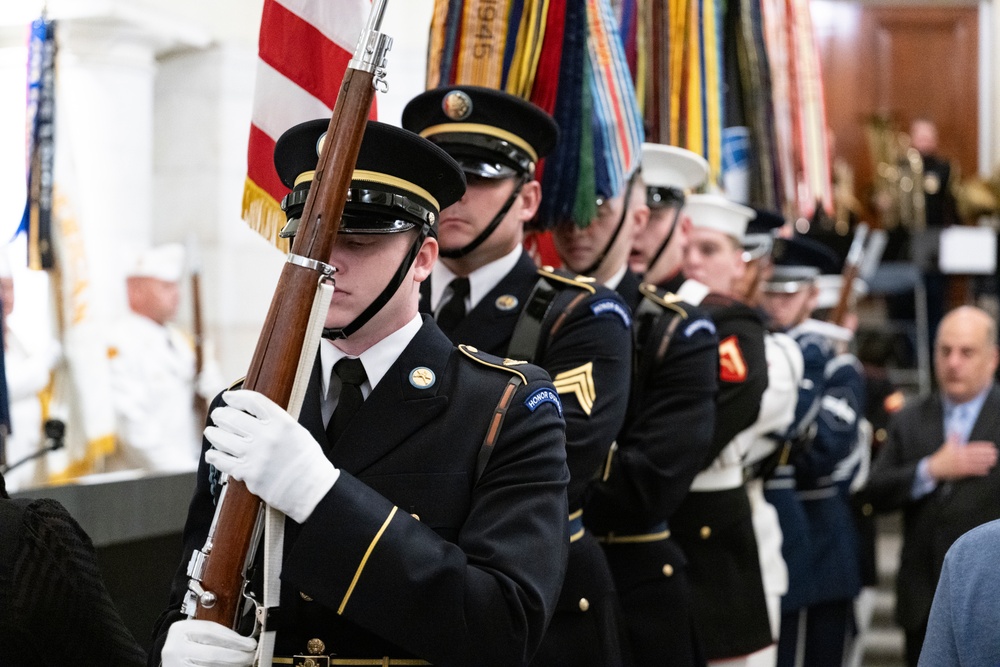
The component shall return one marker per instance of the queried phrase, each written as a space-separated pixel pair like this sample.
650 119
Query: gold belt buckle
314 657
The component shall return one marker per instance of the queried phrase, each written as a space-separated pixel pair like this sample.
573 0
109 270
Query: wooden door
902 61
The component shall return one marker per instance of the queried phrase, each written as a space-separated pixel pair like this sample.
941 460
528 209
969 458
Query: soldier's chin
638 263
338 322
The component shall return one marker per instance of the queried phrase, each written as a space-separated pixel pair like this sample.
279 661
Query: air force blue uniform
810 490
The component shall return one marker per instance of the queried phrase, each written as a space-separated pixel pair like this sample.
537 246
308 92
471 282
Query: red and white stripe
303 52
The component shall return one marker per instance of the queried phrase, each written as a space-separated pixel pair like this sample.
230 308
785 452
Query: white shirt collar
615 280
377 359
481 281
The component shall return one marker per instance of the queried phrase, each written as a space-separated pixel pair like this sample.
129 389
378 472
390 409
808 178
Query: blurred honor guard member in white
153 371
29 362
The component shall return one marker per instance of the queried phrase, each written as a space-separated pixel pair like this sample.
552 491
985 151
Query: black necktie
453 311
352 375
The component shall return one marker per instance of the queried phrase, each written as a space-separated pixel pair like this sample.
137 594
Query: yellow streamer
435 49
678 40
695 137
484 37
713 102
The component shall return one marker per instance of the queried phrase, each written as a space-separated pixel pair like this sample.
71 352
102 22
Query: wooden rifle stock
217 572
850 273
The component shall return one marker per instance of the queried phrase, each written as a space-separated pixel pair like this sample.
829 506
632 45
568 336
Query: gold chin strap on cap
378 177
479 128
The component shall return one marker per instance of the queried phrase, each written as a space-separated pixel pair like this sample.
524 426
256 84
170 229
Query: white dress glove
206 643
258 442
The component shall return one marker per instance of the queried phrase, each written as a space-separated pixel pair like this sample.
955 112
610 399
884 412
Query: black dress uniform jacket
585 344
933 522
667 434
714 528
54 607
461 570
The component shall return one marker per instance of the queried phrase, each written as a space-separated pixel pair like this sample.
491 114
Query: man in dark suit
487 292
939 463
427 519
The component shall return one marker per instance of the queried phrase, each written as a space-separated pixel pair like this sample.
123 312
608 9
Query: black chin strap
614 237
383 298
676 208
458 253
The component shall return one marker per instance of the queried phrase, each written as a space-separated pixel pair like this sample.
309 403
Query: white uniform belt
718 479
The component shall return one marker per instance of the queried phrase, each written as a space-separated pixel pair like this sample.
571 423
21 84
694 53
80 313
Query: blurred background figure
938 464
153 377
939 211
29 362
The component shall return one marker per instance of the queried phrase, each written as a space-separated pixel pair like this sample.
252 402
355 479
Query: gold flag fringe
263 214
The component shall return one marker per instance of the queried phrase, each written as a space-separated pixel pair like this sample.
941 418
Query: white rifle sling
274 522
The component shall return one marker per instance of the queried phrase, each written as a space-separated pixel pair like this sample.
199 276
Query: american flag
303 52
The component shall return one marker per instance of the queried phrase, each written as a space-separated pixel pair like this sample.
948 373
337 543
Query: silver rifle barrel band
372 46
314 264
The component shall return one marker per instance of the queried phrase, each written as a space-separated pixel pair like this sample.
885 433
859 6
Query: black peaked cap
765 221
412 164
802 251
491 109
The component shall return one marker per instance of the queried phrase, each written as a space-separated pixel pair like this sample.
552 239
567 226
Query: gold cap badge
457 105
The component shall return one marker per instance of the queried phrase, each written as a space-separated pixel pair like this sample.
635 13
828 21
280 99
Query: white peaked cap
718 213
672 167
165 262
829 289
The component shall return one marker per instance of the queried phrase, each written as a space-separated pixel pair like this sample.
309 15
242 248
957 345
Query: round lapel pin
506 302
422 377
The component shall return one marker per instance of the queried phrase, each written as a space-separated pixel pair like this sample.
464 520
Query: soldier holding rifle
424 485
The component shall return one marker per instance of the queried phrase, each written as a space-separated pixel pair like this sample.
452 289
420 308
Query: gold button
668 570
881 435
867 509
305 597
315 646
584 604
706 532
416 516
